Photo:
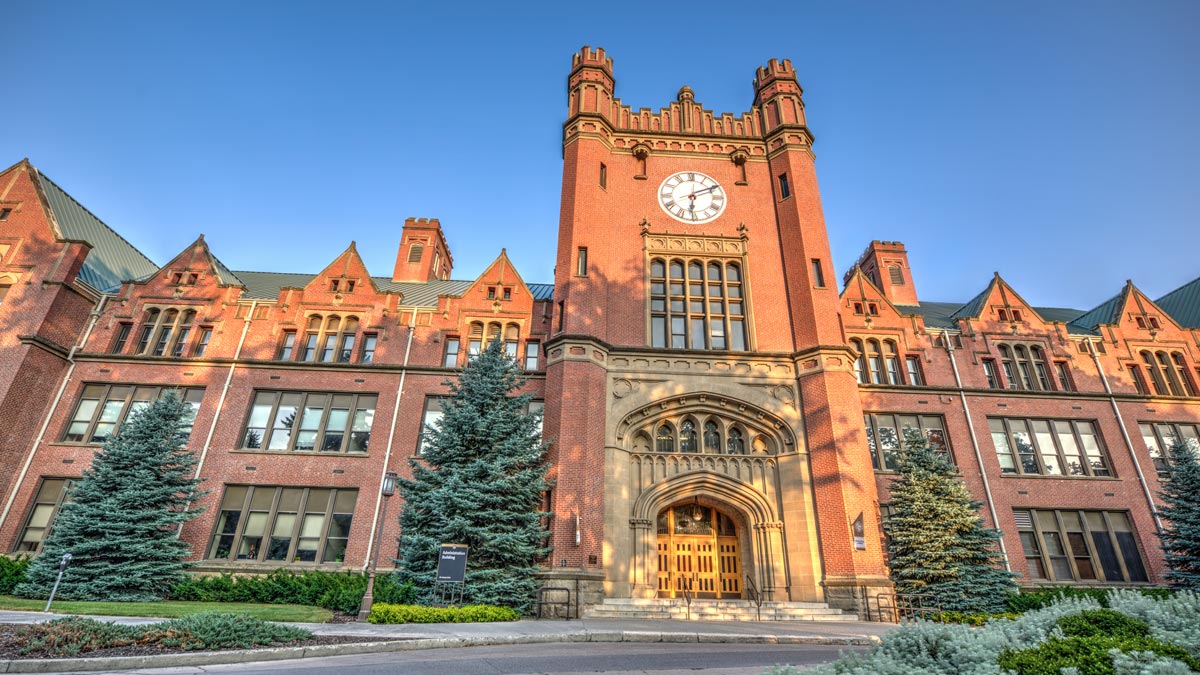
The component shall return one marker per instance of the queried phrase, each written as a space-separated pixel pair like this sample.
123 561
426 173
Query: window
537 408
531 355
895 275
46 503
4 213
491 293
818 275
1025 367
1002 314
283 524
1169 373
859 361
202 342
329 339
885 434
784 190
603 176
878 364
507 293
872 309
562 314
1139 382
993 377
368 348
287 346
475 340
913 366
1048 447
102 408
450 358
431 418
697 304
1140 321
1162 437
858 308
512 334
165 332
1089 546
415 252
703 434
310 421
4 289
581 262
1063 371
122 337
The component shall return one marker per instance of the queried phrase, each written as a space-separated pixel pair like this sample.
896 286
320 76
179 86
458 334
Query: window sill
1038 476
298 453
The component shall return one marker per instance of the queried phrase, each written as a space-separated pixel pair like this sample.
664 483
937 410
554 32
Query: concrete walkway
404 637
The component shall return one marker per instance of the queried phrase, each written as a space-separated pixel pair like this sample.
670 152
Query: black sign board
452 564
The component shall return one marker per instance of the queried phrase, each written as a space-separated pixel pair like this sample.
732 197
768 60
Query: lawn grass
171 609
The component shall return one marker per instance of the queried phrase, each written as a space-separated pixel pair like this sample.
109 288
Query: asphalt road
549 659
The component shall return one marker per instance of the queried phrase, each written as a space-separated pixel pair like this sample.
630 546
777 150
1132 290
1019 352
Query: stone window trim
47 500
303 422
1169 374
698 303
103 407
880 361
165 331
327 338
283 524
885 435
482 332
1080 546
1058 448
1160 437
1025 366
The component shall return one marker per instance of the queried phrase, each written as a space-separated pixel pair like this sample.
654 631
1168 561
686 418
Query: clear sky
1057 143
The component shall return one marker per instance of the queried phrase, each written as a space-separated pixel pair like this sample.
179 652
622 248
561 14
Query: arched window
182 333
148 326
892 361
475 340
1024 367
1165 364
875 361
512 334
859 365
687 437
1182 371
664 439
712 437
493 333
1040 369
330 339
165 332
1156 378
1010 367
696 304
736 445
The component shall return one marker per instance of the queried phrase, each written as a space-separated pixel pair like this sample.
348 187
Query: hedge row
389 613
337 591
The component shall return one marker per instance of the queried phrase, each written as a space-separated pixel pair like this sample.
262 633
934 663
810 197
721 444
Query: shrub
12 572
1175 619
969 618
1044 597
73 635
338 591
382 612
1103 623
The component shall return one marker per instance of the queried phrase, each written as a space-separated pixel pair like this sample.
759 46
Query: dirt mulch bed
10 650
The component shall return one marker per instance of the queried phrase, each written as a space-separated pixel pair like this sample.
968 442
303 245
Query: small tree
937 542
479 482
121 520
1181 533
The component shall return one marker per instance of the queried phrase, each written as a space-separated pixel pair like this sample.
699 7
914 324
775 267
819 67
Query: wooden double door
698 553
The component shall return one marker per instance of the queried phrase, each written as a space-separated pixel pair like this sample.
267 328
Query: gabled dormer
194 272
864 303
1000 307
345 280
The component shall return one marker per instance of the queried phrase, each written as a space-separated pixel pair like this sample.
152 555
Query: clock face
691 197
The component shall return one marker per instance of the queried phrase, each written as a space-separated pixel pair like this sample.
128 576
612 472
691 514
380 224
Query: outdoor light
389 483
387 489
697 511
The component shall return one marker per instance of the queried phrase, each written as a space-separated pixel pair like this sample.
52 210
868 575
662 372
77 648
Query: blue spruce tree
479 482
1181 509
120 522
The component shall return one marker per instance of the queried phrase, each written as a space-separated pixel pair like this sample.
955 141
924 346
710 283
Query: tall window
475 340
122 338
697 434
1048 447
1086 546
913 366
287 346
1063 371
434 406
50 496
259 523
512 335
993 377
1025 367
1168 373
885 435
531 355
697 304
202 341
785 190
102 408
368 348
450 358
878 362
581 266
307 422
1161 437
164 332
415 252
330 339
818 275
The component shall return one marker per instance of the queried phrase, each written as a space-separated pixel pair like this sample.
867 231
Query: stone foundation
586 586
859 594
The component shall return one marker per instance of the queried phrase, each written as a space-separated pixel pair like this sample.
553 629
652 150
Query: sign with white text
452 564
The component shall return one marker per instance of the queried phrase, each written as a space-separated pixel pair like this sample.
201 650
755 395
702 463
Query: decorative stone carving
693 244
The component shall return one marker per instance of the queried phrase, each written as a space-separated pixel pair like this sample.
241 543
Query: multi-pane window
878 362
1048 447
329 339
474 340
46 503
531 355
1025 367
711 435
1063 371
1086 546
697 304
122 338
993 377
310 421
368 348
913 366
434 410
511 335
1168 373
287 346
283 524
102 408
450 358
163 332
885 435
1162 437
202 341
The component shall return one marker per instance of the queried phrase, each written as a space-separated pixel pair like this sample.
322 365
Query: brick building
720 415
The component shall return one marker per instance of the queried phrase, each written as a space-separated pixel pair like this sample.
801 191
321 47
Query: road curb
401 645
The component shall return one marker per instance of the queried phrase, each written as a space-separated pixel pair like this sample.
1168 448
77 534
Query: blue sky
1053 142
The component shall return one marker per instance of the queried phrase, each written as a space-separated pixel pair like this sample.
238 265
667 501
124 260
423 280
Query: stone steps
714 610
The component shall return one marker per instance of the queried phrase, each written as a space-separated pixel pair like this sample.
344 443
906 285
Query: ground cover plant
386 613
1136 635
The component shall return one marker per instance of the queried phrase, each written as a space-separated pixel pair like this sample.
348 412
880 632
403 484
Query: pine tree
1181 533
121 519
479 482
937 542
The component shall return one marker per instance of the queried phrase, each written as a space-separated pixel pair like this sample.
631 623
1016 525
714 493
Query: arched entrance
698 552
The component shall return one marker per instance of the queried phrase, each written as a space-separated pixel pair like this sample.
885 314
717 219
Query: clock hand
700 192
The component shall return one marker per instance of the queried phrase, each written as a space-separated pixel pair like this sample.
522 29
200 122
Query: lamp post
387 490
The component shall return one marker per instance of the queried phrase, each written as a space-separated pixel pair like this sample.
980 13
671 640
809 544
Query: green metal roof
266 286
1100 315
974 305
1183 304
112 259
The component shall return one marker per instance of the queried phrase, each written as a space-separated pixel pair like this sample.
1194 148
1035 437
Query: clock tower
706 424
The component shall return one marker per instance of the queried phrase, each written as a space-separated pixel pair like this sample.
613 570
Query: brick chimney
885 263
424 254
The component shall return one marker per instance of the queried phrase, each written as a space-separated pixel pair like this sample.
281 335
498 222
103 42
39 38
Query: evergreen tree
937 542
1181 533
479 482
121 519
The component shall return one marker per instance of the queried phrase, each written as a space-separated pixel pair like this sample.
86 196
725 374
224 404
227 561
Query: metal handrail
687 593
755 596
